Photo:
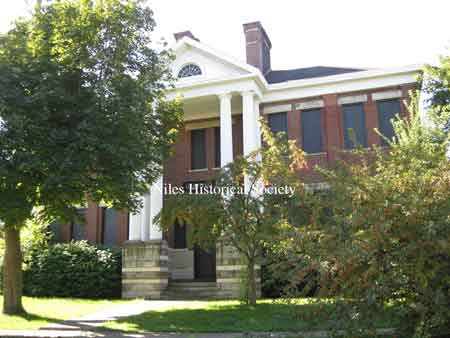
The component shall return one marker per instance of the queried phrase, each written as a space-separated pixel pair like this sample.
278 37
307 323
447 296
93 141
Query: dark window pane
386 112
179 235
217 147
355 119
278 123
55 229
110 227
312 130
198 149
79 226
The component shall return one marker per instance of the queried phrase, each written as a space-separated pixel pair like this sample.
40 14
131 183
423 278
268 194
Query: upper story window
278 123
198 149
354 118
387 110
189 70
312 138
217 147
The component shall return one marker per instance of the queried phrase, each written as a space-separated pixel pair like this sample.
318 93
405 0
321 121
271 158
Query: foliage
437 85
83 115
382 235
82 108
75 269
241 212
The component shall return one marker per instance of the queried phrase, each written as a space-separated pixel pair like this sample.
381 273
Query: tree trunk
251 282
12 273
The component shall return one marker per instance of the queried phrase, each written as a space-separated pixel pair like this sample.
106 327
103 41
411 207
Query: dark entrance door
205 264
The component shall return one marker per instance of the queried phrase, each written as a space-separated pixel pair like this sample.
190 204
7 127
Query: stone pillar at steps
230 269
145 270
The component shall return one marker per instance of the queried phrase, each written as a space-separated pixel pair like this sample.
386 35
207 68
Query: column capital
224 96
247 93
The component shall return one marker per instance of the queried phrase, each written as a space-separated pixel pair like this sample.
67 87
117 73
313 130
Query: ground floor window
110 227
78 228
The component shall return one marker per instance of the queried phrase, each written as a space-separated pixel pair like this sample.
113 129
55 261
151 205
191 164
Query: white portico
211 86
214 89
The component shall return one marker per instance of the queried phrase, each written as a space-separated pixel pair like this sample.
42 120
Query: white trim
389 94
309 105
373 73
336 85
352 99
197 170
218 54
203 124
282 108
189 62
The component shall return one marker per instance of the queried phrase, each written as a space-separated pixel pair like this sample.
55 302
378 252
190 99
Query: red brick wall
333 132
177 168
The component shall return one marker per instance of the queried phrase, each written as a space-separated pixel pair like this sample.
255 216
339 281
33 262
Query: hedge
76 269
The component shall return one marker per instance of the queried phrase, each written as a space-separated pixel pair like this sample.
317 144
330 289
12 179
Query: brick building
223 100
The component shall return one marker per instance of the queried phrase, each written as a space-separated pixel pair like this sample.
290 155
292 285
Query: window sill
216 168
316 154
198 170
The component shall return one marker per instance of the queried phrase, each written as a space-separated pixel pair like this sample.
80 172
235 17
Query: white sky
352 33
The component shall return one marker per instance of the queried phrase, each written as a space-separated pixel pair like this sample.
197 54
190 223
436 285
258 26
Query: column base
145 271
230 272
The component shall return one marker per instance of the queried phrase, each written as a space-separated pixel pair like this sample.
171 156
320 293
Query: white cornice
351 82
296 89
373 73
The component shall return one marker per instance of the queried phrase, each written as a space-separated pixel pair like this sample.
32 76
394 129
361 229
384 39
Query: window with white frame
189 70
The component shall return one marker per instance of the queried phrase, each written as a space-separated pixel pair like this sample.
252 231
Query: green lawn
231 316
43 311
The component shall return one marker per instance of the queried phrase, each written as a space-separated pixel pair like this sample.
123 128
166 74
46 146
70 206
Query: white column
226 130
156 194
142 227
145 220
249 122
258 125
135 231
251 129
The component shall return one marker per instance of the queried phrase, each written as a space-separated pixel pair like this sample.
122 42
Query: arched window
189 70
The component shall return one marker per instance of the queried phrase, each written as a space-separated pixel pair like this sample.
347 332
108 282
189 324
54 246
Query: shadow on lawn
225 318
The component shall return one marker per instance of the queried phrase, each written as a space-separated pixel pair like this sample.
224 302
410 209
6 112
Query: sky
343 33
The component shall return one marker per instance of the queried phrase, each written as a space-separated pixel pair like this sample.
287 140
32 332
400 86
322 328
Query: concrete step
179 290
191 284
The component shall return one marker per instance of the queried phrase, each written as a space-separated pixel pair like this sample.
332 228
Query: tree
245 218
437 85
83 115
386 238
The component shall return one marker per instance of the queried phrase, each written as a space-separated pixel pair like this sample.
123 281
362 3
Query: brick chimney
181 35
257 45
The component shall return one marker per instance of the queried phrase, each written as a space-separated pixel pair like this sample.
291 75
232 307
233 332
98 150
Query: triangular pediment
213 64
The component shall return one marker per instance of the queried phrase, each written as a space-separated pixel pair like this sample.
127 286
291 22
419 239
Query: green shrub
2 254
76 269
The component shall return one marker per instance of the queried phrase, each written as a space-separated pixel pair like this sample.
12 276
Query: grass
44 311
232 316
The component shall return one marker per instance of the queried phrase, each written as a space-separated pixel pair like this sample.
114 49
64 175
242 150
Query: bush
76 269
2 254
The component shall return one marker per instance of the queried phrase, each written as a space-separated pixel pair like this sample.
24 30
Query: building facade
223 101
